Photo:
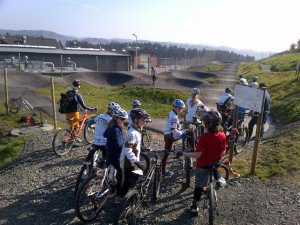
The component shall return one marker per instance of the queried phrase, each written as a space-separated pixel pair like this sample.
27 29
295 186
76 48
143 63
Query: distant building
50 50
142 56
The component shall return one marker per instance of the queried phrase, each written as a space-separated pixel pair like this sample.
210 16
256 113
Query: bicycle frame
77 132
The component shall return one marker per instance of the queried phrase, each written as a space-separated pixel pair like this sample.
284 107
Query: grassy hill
283 62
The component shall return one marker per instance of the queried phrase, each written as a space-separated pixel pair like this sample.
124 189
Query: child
130 155
173 133
114 135
209 151
195 106
101 122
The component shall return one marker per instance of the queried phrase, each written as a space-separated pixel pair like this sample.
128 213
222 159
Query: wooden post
19 61
6 89
234 125
128 64
257 135
61 65
97 63
53 104
148 65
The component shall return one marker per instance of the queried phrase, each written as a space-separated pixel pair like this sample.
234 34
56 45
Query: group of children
124 154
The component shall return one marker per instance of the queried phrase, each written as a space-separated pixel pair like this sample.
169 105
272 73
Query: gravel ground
37 188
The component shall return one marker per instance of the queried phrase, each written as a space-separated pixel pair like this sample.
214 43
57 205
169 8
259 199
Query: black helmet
262 85
212 117
76 84
228 90
139 113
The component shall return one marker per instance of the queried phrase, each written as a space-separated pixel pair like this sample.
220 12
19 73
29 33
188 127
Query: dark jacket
79 101
114 143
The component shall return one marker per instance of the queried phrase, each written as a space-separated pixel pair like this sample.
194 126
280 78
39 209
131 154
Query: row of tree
295 47
163 51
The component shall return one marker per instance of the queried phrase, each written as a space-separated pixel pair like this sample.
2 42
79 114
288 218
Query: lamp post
135 50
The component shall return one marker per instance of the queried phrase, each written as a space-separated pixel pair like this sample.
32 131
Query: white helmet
136 103
195 91
113 106
255 78
120 113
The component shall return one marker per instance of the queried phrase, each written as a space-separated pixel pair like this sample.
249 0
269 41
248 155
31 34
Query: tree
293 47
298 45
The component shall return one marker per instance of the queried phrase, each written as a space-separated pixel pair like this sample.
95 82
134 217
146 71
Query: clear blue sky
261 25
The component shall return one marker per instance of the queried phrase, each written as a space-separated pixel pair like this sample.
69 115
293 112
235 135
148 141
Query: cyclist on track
209 152
173 133
130 155
114 145
254 83
135 104
154 75
72 116
101 122
194 106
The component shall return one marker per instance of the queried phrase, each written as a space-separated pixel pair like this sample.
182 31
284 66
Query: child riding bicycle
209 152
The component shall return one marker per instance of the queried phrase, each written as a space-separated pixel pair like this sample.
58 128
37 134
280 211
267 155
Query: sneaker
118 199
221 182
168 173
194 208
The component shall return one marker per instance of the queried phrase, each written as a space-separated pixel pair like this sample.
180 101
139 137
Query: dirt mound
187 75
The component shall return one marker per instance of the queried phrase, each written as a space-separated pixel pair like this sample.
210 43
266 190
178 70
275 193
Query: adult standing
154 75
266 112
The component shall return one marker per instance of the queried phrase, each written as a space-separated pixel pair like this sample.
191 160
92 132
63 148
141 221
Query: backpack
67 103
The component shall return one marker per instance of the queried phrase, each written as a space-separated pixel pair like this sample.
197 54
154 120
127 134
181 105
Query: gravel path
37 188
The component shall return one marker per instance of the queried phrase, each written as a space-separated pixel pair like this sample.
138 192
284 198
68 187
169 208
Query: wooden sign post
234 125
6 89
257 135
53 104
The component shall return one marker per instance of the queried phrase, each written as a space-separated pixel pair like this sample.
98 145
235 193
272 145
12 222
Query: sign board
250 98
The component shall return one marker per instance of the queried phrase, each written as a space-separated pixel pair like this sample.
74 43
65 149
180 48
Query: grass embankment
278 155
157 102
206 68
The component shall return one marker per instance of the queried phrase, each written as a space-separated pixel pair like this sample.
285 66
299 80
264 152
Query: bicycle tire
84 173
14 106
127 210
156 183
224 171
187 169
212 204
92 195
88 133
144 160
60 138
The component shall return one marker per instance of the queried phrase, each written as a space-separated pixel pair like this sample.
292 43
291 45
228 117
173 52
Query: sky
260 25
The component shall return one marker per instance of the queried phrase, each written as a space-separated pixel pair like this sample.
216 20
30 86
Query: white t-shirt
191 110
253 85
133 137
101 125
224 97
173 126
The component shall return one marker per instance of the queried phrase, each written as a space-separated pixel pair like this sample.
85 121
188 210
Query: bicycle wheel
128 209
224 171
85 172
89 133
146 142
156 184
14 105
212 204
144 160
187 168
62 142
91 196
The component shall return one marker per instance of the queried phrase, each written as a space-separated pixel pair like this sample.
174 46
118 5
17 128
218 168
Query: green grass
283 62
207 68
157 102
9 151
278 156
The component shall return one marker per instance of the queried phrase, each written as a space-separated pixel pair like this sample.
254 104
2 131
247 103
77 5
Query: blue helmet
178 103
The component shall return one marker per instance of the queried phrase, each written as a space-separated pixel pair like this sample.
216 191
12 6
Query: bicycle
139 194
64 139
146 139
15 104
93 191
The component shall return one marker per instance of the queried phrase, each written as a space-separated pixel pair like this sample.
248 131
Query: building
30 49
143 55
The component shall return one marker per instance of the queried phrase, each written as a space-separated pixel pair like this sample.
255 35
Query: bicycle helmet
255 78
212 117
195 91
262 85
113 106
121 113
241 76
228 90
139 113
178 103
76 84
136 103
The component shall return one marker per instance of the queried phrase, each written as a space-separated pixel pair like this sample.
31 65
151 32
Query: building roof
35 41
49 50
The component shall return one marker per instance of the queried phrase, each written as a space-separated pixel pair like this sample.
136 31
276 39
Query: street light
135 50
